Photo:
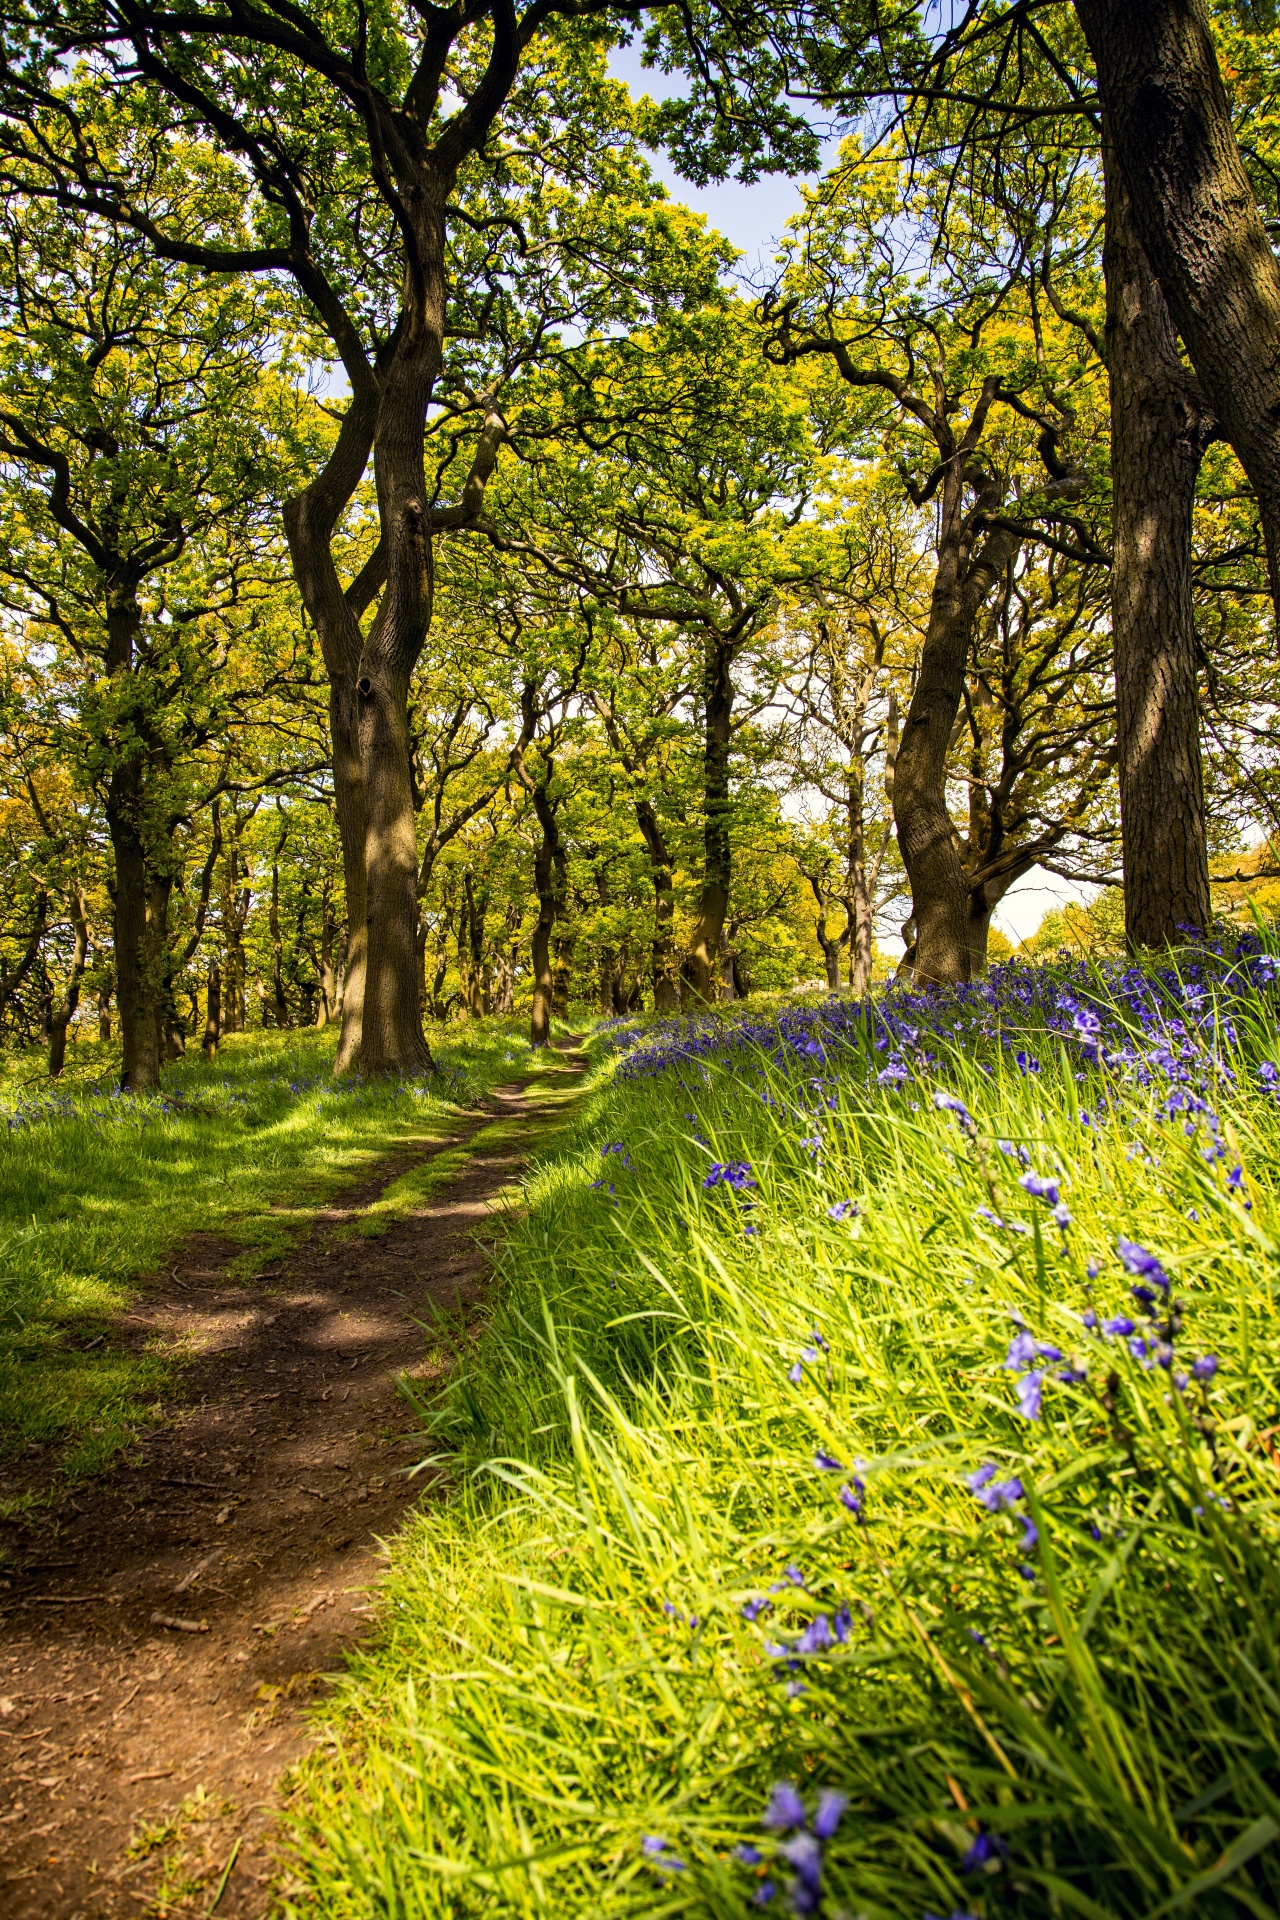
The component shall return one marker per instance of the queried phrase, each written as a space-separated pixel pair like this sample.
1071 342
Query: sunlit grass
1049 1701
98 1190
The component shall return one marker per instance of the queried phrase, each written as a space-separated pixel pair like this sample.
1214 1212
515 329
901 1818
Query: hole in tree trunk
364 686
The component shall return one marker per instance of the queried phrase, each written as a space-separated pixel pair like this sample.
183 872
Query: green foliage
563 1666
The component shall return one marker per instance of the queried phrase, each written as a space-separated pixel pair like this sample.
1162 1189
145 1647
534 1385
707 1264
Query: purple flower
747 1856
729 1173
976 1481
752 1609
830 1807
1022 1349
843 1624
816 1637
842 1210
1040 1188
985 1849
1205 1367
659 1855
1119 1327
1029 1390
1137 1260
804 1853
851 1499
893 1075
1003 1494
1030 1531
795 1374
785 1809
826 1462
1089 1320
1062 1215
763 1894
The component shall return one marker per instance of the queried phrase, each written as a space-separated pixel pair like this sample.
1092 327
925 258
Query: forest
522 724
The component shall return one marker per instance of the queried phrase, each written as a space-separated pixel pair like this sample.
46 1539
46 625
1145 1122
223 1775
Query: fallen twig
179 1626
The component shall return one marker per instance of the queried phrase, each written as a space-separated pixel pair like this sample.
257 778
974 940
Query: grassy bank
867 1486
98 1189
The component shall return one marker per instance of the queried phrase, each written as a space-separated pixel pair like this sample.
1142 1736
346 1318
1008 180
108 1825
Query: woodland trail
172 1621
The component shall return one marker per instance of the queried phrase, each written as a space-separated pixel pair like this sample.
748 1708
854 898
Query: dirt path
170 1627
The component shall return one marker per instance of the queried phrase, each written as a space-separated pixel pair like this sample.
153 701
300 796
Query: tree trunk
104 1014
477 909
327 999
137 980
213 1012
926 835
702 963
540 946
666 981
64 1013
1159 429
1197 216
280 1005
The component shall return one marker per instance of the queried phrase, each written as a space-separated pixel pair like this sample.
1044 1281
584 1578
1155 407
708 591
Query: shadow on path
169 1628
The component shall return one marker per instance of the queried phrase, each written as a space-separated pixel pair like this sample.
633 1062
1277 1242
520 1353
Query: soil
174 1620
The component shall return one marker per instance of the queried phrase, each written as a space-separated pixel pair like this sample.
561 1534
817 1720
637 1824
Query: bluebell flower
893 1075
1118 1327
1030 1531
1205 1367
1022 1349
659 1855
804 1853
763 1894
1089 1320
818 1341
785 1809
730 1173
977 1480
1062 1216
842 1624
843 1209
827 1818
795 1374
985 1850
826 1462
1040 1188
747 1856
1137 1260
1029 1389
752 1609
851 1497
816 1637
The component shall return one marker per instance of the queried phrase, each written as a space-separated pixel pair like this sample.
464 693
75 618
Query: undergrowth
865 1494
99 1188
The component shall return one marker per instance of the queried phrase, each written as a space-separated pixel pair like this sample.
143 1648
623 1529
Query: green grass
563 1666
98 1190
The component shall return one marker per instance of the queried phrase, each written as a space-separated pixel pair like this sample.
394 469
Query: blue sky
751 217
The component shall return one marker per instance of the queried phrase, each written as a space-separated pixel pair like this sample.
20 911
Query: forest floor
167 1625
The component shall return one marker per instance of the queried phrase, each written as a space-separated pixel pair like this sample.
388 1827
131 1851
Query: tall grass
808 1453
98 1188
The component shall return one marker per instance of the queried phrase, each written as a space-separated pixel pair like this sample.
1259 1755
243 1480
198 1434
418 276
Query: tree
1196 214
142 433
383 157
975 392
